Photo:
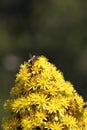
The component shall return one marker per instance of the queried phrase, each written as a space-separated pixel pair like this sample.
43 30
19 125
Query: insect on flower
32 58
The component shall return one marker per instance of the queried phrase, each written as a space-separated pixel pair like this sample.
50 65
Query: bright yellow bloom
23 76
52 89
17 90
79 101
21 104
39 117
42 99
52 108
68 89
10 123
41 82
70 122
56 126
26 123
38 98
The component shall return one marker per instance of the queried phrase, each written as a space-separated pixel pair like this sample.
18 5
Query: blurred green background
54 28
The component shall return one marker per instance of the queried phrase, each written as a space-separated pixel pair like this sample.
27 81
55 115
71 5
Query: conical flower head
42 100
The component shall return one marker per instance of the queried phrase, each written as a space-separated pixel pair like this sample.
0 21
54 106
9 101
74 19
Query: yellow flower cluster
43 100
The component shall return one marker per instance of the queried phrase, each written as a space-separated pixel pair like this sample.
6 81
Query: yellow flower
40 118
8 104
52 108
66 89
23 76
10 123
56 126
79 101
43 82
21 104
33 83
17 90
41 62
26 123
69 121
53 90
41 98
35 69
41 115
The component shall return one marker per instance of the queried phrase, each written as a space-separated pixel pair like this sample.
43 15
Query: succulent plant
41 99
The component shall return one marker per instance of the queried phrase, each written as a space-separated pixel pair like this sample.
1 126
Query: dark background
56 29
